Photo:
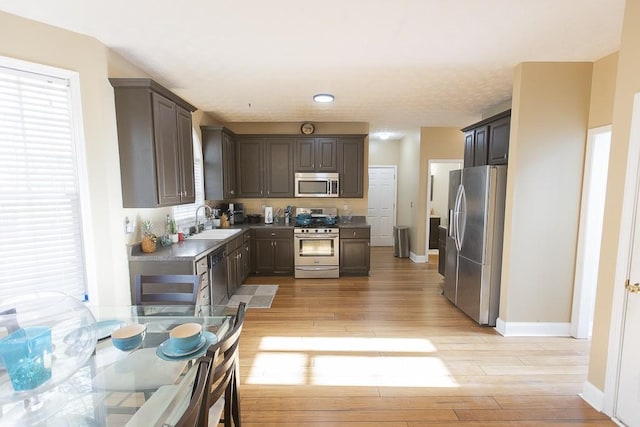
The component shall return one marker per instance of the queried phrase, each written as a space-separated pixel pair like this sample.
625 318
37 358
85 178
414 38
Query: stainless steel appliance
218 273
317 244
317 184
474 241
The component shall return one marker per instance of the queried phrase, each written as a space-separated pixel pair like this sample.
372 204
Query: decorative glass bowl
44 339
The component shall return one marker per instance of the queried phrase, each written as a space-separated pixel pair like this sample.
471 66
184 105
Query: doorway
438 198
381 214
594 188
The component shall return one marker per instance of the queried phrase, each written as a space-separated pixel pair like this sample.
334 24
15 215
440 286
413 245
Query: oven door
316 250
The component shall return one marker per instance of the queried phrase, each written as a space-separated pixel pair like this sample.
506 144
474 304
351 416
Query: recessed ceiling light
384 135
323 97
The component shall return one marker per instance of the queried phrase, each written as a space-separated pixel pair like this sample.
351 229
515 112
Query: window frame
81 168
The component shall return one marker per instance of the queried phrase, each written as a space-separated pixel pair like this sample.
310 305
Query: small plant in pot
149 239
172 229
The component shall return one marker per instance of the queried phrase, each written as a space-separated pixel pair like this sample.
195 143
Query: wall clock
307 128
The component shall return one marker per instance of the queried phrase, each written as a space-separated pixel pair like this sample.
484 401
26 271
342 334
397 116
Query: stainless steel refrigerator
474 241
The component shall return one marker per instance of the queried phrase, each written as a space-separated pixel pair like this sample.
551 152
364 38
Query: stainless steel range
316 241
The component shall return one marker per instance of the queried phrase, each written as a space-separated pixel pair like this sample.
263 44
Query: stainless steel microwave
317 184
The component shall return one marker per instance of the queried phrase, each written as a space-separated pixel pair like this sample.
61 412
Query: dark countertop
194 249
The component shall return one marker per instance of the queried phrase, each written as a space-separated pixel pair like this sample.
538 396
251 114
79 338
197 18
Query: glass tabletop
114 386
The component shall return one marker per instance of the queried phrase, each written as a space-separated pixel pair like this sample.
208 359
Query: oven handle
316 236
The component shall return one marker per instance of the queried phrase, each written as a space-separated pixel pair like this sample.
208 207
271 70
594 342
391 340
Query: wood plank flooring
389 351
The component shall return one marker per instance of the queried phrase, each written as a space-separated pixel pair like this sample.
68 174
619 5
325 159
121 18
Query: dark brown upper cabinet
317 154
487 142
351 165
264 166
155 143
499 137
219 155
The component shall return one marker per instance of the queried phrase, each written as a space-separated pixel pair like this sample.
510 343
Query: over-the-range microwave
317 184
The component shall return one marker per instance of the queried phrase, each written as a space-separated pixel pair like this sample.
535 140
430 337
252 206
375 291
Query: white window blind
186 213
40 218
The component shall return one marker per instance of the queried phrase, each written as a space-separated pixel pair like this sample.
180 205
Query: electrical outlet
128 226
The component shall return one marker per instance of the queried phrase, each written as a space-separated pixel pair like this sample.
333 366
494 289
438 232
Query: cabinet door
481 146
304 157
166 149
278 168
283 255
185 146
249 167
351 166
326 158
232 273
263 257
228 166
469 145
354 256
499 141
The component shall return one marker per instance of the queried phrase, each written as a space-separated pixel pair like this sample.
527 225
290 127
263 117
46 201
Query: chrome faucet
206 207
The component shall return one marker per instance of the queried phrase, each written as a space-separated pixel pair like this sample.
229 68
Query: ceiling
397 65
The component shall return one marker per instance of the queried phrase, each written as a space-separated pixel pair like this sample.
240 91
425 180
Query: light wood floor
388 350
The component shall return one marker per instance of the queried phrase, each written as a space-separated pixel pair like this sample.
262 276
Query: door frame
395 188
583 297
428 205
608 401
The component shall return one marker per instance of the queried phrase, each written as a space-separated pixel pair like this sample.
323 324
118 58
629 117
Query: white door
382 204
628 405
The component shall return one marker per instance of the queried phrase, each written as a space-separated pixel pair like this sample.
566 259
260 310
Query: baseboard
418 259
592 395
533 329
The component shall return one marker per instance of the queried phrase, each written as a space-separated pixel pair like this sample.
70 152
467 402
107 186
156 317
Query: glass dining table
141 387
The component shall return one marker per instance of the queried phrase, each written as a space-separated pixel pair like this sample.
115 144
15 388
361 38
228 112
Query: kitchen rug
256 296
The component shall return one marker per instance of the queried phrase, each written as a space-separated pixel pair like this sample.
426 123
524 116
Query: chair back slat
180 289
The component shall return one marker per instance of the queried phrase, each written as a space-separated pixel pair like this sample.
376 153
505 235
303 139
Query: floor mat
256 296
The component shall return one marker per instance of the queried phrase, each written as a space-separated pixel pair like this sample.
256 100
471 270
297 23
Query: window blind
186 213
40 218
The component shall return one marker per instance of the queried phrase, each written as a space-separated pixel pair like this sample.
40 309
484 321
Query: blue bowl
186 337
128 337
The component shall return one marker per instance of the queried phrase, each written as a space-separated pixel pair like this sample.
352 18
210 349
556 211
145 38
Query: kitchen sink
216 234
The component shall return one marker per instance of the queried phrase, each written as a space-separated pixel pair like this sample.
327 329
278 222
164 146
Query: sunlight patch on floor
334 344
326 361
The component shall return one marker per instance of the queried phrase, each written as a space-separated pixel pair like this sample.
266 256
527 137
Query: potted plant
149 239
173 230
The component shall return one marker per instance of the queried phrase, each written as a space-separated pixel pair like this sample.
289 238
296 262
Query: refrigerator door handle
451 225
457 234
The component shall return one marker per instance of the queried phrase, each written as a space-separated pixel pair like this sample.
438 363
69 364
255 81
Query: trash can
401 241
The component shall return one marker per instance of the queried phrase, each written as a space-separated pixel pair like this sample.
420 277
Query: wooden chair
191 415
167 289
223 400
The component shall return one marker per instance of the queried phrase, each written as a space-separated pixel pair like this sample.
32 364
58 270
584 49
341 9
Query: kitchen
96 64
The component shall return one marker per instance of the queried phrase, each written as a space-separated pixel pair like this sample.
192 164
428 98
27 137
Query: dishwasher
218 274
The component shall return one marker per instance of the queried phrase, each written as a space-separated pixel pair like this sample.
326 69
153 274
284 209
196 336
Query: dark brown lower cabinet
355 251
273 251
238 261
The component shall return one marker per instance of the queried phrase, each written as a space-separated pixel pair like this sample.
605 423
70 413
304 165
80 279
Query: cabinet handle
273 234
232 192
354 234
